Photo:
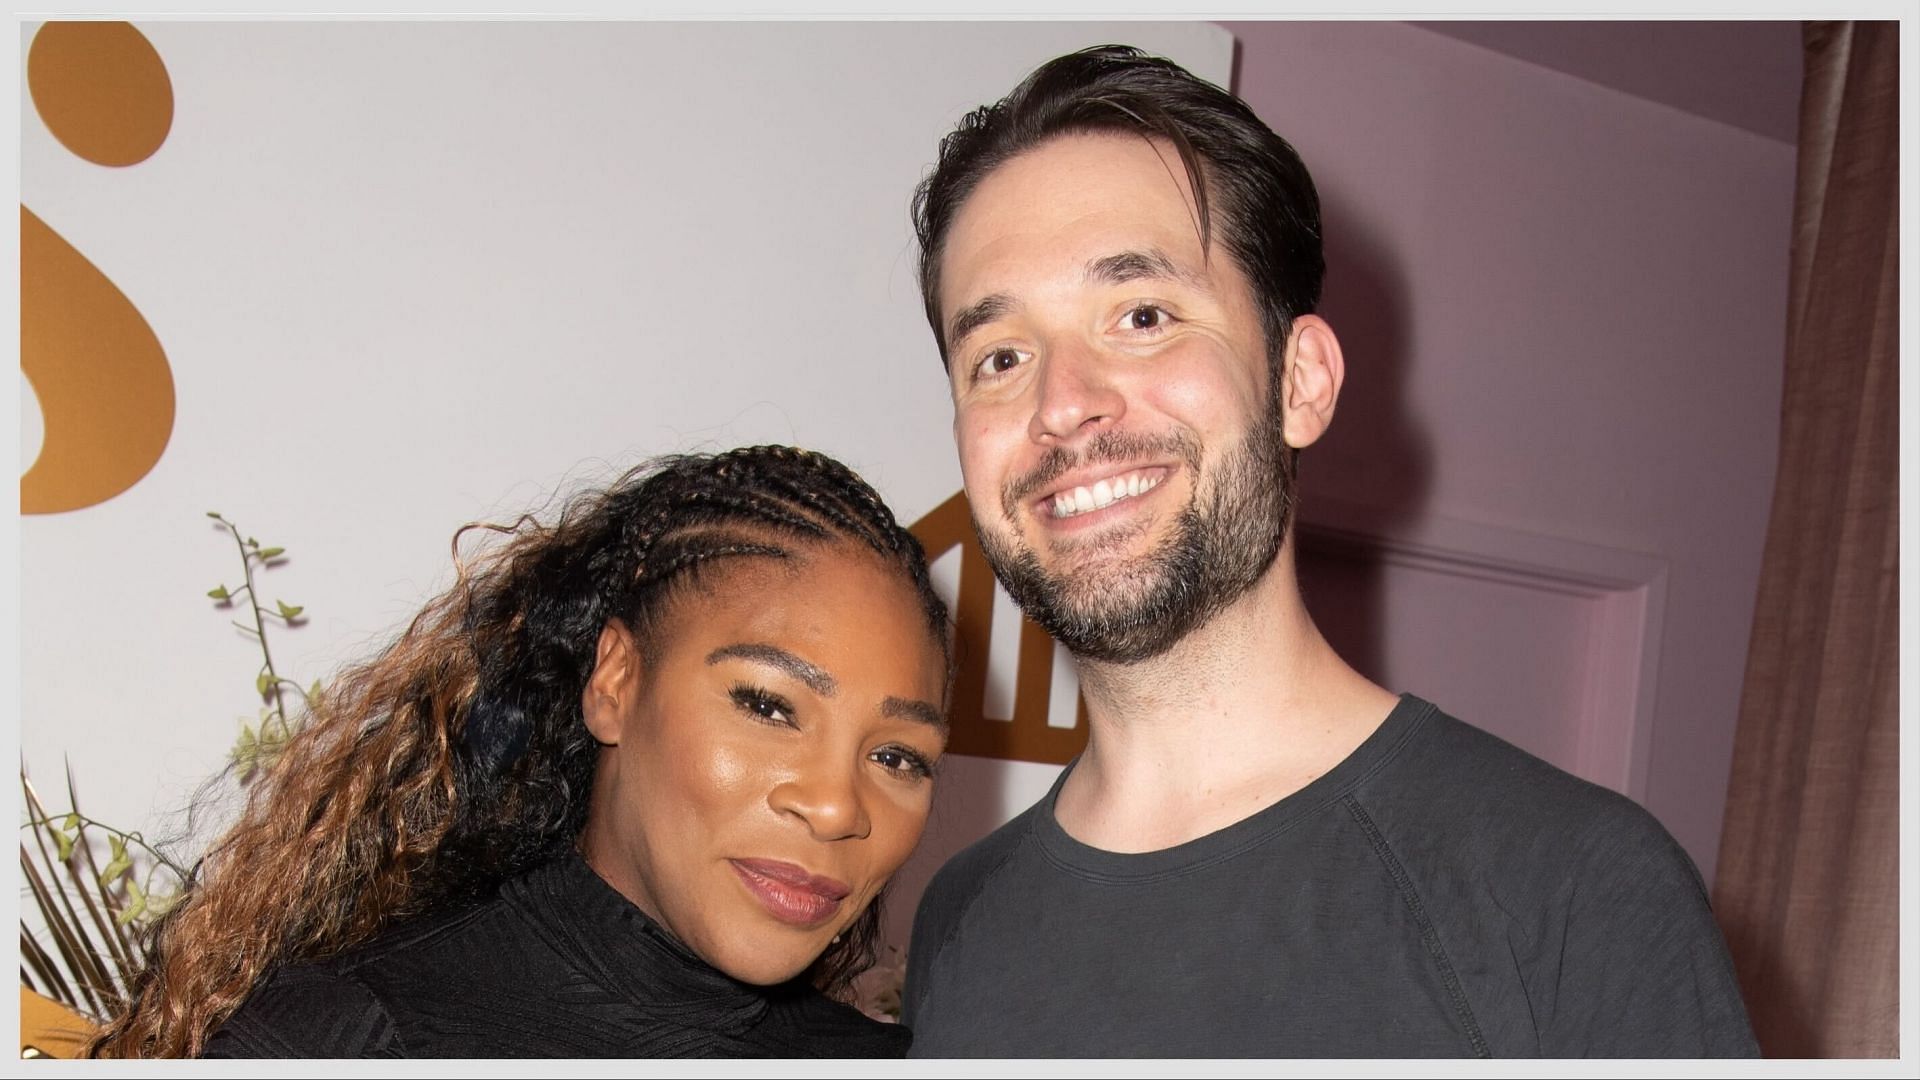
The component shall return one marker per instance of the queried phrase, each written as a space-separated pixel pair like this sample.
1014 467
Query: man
1260 851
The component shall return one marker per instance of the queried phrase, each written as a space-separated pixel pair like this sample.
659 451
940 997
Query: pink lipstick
789 892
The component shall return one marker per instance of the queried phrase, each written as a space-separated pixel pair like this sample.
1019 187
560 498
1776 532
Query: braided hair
457 757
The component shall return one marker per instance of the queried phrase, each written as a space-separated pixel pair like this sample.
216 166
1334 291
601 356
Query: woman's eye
768 707
903 761
1146 317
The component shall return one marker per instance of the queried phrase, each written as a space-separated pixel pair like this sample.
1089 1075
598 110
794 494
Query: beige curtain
1808 882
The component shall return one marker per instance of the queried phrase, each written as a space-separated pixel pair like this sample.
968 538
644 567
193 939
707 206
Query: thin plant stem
104 926
118 947
32 952
259 620
66 936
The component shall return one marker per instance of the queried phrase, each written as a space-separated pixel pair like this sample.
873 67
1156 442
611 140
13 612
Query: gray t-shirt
1438 893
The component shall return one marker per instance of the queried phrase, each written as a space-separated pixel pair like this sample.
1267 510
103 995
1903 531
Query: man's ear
614 684
1313 372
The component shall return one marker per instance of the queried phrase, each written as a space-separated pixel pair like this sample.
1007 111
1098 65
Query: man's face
1118 428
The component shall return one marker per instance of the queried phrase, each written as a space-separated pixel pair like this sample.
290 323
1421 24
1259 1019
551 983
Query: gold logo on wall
103 381
1026 736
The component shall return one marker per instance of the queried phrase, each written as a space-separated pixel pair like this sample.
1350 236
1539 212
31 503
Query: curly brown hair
457 757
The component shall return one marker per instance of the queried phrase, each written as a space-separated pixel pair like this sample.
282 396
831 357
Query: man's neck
1237 715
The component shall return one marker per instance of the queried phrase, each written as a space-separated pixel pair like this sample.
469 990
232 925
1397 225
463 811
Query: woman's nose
827 799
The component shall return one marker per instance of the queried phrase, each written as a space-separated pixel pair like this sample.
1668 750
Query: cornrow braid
458 757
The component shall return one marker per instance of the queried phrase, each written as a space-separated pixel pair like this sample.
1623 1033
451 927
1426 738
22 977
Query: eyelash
980 372
917 766
1165 318
761 705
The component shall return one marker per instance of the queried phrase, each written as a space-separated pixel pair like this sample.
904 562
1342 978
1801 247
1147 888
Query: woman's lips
789 892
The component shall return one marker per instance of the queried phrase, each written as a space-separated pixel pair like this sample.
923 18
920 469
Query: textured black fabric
559 964
1438 893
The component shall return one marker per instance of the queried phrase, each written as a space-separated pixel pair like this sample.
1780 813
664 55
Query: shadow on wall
1377 454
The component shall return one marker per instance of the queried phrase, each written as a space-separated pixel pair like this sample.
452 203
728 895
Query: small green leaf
252 543
214 514
272 552
220 593
132 910
114 870
245 750
71 822
288 611
158 905
116 846
63 845
263 683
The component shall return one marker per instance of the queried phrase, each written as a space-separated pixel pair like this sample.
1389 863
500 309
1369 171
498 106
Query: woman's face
767 767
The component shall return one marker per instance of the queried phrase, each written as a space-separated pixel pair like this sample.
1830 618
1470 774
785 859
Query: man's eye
1146 317
999 361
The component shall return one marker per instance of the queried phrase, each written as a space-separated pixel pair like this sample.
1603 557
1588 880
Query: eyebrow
977 314
1116 269
906 709
1126 266
818 681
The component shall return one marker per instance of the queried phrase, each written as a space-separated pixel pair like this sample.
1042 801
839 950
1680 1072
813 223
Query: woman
631 787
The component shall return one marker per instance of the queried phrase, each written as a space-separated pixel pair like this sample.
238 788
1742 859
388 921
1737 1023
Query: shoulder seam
1435 949
393 1026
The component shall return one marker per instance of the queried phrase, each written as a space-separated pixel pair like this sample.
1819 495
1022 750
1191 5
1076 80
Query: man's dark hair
1268 211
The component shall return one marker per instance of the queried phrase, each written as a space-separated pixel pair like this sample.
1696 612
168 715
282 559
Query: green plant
256 747
93 913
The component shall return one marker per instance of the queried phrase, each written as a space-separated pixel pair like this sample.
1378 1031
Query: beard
1103 605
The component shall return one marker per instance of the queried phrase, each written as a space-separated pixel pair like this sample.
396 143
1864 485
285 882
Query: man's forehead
1100 207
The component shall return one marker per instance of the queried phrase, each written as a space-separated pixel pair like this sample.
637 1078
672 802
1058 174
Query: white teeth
1104 493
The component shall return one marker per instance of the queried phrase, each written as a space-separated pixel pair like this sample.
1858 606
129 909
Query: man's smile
1080 496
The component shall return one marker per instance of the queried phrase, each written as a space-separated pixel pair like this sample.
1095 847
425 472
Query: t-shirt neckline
1098 864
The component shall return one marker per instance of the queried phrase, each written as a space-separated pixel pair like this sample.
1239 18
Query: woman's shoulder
342 1006
315 1010
810 1024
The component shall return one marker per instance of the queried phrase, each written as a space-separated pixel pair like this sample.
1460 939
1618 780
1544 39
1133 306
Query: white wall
409 275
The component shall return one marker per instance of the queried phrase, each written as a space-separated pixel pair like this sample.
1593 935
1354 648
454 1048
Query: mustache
1106 448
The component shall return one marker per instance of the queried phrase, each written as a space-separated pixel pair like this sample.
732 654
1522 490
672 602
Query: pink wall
1563 309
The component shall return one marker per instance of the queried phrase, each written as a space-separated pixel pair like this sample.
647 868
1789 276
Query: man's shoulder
1519 865
954 888
969 870
1480 798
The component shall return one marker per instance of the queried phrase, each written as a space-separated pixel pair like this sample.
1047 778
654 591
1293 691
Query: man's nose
1076 393
826 797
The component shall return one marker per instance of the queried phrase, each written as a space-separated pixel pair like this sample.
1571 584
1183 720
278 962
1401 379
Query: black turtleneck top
558 964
